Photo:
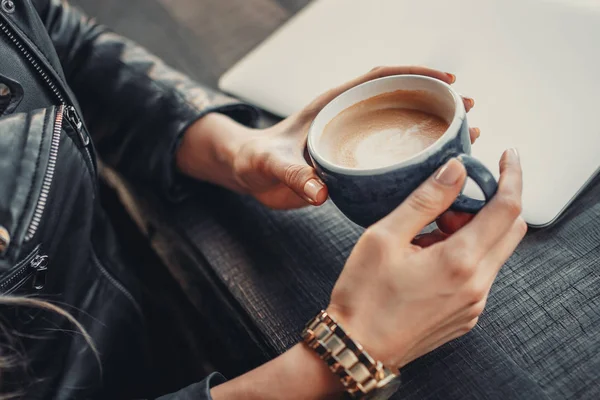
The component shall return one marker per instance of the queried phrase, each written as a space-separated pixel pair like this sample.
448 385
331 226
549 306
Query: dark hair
11 358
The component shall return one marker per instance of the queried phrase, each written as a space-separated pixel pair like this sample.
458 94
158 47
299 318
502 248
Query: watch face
385 392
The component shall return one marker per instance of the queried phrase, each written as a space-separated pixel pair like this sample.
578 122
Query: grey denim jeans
539 337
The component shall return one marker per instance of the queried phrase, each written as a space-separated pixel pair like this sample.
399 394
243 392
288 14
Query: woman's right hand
402 297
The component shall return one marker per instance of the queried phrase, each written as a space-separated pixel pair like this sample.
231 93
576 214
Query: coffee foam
384 130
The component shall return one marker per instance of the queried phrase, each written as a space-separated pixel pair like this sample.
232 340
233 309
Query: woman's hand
401 296
271 164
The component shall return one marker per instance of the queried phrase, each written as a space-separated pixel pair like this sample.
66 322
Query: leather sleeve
197 391
135 106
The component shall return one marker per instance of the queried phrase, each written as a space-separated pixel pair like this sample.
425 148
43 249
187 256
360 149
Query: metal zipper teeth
33 226
20 271
48 177
41 72
4 28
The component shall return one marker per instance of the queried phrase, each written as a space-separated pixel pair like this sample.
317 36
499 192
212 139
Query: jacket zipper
35 265
47 182
54 88
8 6
64 112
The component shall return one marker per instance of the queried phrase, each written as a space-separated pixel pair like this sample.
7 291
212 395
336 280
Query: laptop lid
531 65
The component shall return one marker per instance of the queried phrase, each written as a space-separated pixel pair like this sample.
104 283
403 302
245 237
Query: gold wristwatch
361 375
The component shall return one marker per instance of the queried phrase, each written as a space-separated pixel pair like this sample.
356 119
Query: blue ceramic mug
367 195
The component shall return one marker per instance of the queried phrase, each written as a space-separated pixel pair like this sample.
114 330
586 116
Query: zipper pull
77 124
8 6
40 264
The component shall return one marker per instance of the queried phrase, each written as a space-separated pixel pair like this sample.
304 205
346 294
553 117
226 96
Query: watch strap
358 371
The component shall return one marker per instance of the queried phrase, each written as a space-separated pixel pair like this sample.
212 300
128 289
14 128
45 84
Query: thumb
426 203
302 179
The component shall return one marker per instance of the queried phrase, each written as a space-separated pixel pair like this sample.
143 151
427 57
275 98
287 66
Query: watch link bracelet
361 375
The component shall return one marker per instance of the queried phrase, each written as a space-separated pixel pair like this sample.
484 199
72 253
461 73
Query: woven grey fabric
540 334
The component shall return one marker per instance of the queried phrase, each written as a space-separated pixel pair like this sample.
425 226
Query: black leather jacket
56 66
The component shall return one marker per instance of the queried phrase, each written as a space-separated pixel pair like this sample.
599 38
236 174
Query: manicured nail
420 236
452 77
450 173
514 154
312 189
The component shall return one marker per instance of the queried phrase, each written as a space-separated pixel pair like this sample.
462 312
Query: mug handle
484 179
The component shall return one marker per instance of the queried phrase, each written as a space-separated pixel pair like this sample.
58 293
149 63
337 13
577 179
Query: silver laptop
533 67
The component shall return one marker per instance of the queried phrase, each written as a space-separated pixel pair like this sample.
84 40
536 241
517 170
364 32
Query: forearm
135 106
296 375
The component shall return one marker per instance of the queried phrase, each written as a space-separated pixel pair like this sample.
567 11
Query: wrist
285 377
371 336
304 365
209 147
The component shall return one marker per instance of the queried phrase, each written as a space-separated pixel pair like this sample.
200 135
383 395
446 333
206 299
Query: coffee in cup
374 144
385 129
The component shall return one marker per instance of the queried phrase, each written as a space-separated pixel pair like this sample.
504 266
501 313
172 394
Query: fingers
474 295
496 258
469 103
499 215
281 198
429 239
451 221
376 73
302 179
477 289
427 202
474 133
380 72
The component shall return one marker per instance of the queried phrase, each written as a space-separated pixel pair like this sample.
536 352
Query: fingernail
450 173
513 154
420 236
312 189
452 77
471 101
477 131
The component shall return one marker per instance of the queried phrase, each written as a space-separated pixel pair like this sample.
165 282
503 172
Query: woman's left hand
271 164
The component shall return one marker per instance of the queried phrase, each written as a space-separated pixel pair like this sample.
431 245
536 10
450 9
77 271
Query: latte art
383 130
